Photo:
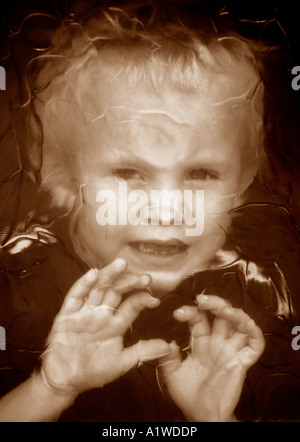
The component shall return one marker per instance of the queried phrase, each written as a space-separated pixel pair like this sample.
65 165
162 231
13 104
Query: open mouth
158 247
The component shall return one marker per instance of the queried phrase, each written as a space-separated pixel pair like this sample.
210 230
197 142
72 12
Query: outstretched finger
144 351
79 291
125 284
199 326
129 310
107 276
222 327
215 304
238 340
197 320
239 319
256 338
249 355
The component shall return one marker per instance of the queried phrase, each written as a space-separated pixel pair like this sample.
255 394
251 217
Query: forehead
141 116
115 115
116 78
157 135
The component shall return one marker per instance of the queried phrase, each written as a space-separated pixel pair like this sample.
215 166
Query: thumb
144 351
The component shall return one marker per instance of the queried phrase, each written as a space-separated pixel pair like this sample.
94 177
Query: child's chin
164 282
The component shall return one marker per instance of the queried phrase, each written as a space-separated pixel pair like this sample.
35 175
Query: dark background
287 12
284 17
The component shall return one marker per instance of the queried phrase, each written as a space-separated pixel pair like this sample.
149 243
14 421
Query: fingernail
154 302
161 355
180 311
174 347
120 262
145 279
91 274
202 297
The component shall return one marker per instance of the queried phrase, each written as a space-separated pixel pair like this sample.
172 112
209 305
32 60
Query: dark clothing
37 274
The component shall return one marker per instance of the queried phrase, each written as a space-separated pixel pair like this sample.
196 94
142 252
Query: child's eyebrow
204 161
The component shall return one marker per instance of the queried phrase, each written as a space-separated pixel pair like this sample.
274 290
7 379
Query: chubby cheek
206 246
102 243
216 209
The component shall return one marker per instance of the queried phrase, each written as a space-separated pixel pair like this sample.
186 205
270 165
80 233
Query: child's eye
202 175
128 174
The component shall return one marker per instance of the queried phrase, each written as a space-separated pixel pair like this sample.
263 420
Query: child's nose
167 211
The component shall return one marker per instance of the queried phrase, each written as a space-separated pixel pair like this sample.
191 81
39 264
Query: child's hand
85 347
207 385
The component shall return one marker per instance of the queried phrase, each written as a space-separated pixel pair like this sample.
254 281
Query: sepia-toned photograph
149 213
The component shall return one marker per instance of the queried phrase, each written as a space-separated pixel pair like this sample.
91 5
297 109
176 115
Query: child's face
170 140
